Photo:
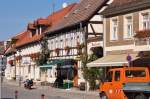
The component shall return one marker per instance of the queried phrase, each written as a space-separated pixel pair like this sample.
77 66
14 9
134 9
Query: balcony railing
142 44
143 41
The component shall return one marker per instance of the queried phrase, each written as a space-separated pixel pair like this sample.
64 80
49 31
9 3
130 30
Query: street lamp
19 67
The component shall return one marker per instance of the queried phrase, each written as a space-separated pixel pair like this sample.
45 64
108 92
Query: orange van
126 83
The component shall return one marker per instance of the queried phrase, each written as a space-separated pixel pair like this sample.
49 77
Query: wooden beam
95 33
93 30
97 14
96 22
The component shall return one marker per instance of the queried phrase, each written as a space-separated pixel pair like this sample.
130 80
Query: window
135 73
114 35
145 21
117 75
128 27
109 77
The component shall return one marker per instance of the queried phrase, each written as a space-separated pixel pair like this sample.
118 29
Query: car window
117 75
109 77
135 73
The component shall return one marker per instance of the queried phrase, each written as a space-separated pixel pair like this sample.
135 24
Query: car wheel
103 96
140 96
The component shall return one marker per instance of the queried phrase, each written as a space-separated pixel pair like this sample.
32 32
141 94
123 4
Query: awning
112 60
47 66
67 66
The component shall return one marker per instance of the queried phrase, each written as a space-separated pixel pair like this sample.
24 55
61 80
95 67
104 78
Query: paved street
8 91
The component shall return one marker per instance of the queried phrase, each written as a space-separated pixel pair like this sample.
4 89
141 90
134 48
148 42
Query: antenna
53 7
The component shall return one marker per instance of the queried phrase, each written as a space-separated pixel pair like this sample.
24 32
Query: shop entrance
65 73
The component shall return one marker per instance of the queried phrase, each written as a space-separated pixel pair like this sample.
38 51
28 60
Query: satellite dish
64 5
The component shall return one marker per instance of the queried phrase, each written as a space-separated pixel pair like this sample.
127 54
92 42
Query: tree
90 74
44 55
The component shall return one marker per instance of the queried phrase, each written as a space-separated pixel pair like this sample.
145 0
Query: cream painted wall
30 50
97 18
94 44
97 27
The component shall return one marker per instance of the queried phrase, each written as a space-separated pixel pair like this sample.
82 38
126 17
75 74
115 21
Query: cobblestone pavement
9 88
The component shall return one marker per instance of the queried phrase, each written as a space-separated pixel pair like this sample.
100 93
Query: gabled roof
125 6
25 38
80 14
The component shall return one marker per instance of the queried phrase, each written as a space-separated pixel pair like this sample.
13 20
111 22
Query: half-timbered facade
28 46
75 35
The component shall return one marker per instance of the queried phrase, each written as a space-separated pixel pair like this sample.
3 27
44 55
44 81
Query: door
108 85
117 85
75 75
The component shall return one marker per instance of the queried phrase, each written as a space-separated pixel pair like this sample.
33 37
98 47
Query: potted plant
57 51
79 48
67 49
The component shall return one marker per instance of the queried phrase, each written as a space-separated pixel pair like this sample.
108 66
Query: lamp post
14 64
19 68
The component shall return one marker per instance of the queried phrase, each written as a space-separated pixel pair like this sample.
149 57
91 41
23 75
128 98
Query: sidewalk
57 90
71 90
12 82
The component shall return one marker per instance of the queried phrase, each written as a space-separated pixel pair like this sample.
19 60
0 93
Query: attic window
76 11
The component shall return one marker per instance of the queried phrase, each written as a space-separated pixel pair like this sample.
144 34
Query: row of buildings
2 58
117 31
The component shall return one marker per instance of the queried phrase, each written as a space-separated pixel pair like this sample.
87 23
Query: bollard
16 94
42 96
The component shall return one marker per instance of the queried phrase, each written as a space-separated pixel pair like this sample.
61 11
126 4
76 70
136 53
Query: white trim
141 18
112 38
107 64
104 36
116 48
125 34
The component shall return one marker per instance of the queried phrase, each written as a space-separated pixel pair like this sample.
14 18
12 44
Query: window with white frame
114 34
145 20
128 27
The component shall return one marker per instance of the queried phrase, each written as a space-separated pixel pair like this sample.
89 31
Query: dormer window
39 30
30 35
76 11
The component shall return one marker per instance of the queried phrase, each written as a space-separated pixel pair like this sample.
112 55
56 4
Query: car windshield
135 73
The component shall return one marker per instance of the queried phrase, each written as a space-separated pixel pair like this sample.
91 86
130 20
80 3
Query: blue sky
16 14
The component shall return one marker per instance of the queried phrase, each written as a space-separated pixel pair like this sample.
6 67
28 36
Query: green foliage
44 55
91 74
13 41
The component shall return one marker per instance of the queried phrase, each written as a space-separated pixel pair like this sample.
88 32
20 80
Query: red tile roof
24 38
